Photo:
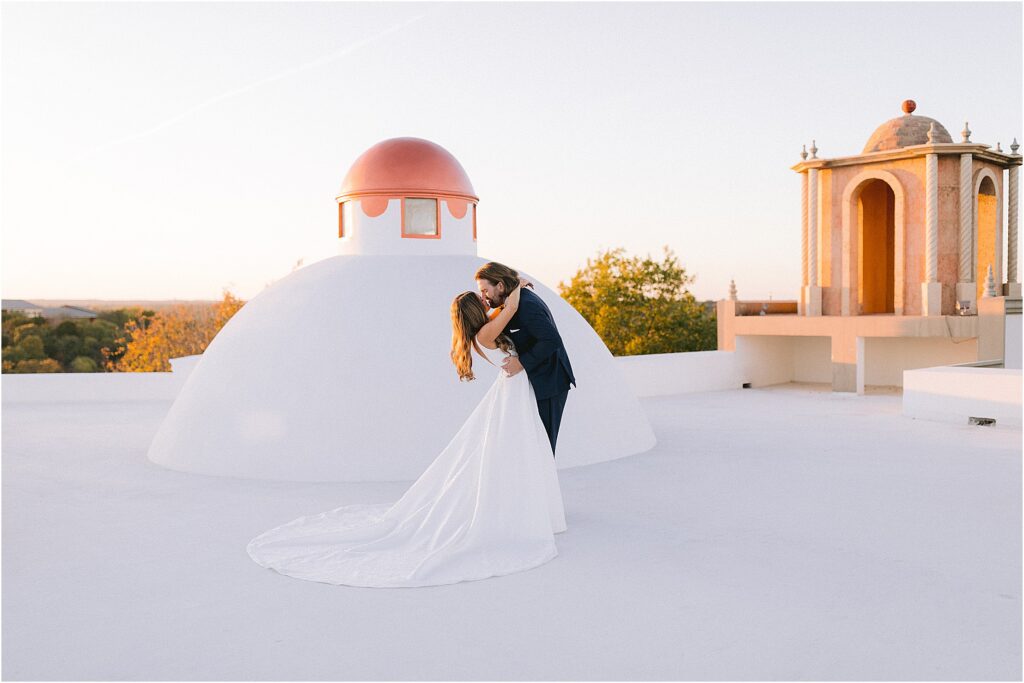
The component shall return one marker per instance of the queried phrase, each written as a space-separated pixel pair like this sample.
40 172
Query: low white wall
184 365
953 394
764 360
812 359
887 358
663 374
101 387
76 387
652 375
758 360
1012 341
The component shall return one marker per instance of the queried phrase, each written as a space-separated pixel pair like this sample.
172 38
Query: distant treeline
38 345
131 339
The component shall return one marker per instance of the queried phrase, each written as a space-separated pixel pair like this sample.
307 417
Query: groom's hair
498 272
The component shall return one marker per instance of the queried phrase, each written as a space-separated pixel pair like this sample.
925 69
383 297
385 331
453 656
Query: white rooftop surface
776 533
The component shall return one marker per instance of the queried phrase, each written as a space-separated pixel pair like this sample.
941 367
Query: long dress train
488 505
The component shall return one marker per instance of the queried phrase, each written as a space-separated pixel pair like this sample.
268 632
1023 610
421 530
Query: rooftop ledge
879 325
757 362
982 152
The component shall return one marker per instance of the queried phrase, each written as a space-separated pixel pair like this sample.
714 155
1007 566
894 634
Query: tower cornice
979 151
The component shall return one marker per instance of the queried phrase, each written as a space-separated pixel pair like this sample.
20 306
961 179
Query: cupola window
345 218
419 217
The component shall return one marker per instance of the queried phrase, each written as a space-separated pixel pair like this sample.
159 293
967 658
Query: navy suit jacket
541 351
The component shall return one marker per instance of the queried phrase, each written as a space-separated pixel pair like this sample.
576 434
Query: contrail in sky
234 92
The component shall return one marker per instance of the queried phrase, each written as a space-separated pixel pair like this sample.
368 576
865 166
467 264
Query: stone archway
873 245
876 246
987 238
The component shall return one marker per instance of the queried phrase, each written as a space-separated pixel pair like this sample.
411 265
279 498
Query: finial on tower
999 147
966 133
990 283
1014 146
932 132
814 149
732 290
803 153
909 106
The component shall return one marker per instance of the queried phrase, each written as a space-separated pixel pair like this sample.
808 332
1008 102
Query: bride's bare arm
490 331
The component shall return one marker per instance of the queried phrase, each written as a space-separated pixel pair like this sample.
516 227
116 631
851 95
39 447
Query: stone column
813 293
966 290
803 244
931 289
1012 288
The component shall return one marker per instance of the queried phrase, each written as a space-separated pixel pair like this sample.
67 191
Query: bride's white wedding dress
488 505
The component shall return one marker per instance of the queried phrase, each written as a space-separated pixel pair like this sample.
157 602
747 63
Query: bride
488 505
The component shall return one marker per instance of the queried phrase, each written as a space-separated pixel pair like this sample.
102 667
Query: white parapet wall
99 387
90 387
757 361
955 394
1012 349
664 374
888 358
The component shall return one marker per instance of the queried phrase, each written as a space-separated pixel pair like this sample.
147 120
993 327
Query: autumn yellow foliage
173 332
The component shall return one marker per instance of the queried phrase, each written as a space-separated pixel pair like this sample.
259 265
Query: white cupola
406 196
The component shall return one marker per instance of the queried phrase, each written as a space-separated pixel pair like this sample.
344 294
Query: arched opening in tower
986 236
876 216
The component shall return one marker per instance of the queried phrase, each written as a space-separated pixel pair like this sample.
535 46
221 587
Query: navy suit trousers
550 410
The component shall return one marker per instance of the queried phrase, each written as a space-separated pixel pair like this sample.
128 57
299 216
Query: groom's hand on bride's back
512 366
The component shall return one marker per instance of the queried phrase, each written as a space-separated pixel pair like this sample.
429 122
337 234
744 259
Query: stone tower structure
910 225
896 245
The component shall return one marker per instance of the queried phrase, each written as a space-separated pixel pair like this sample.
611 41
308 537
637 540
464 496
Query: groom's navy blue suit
542 354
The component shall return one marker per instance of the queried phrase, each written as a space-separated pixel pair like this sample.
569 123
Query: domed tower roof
404 166
904 131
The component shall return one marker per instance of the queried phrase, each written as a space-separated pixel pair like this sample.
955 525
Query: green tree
36 365
12 354
120 316
66 328
22 330
640 305
83 364
63 348
113 338
91 347
32 347
11 321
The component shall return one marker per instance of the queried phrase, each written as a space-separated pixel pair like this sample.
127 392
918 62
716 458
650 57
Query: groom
541 352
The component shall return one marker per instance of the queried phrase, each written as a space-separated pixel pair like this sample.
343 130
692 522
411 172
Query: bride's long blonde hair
468 316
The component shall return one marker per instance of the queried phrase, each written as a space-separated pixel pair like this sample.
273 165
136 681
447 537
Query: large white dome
340 372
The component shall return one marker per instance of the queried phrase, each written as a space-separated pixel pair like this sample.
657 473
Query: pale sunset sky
169 150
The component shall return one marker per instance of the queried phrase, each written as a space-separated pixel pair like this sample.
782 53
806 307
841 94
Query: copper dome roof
404 166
